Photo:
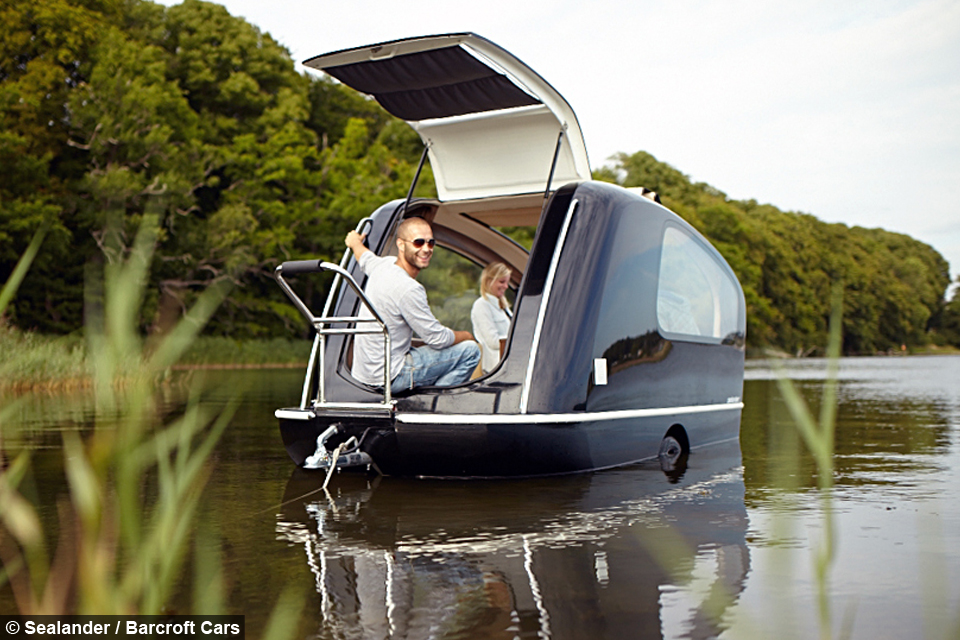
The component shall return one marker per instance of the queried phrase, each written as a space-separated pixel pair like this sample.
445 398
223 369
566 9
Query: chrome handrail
363 226
323 326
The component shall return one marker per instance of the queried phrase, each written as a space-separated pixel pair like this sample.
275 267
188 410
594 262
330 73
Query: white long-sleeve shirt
490 325
402 303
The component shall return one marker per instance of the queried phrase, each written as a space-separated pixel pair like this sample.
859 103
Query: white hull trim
561 418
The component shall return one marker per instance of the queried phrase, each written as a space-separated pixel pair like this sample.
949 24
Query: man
447 358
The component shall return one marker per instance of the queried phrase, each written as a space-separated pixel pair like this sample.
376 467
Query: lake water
724 549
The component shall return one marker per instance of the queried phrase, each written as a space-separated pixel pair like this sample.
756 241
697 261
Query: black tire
673 458
670 449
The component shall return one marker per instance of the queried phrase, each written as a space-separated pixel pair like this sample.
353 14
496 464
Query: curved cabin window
452 283
696 297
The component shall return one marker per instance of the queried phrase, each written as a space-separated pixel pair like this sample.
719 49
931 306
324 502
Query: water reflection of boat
627 553
628 328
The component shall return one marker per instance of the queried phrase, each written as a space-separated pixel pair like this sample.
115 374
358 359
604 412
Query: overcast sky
845 109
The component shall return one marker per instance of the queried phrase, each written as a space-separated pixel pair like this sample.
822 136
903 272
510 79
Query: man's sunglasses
419 242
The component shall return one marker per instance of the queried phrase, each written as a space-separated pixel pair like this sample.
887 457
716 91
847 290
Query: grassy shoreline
31 362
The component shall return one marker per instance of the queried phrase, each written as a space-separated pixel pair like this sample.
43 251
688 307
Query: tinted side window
452 283
696 297
626 320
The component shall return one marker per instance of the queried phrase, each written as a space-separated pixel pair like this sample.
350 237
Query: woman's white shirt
490 325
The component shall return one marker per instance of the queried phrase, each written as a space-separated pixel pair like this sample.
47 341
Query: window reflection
695 296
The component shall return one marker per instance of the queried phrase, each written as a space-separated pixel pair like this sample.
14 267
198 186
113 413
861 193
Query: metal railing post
319 342
324 327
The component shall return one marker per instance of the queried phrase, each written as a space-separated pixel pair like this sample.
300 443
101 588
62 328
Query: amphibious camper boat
627 333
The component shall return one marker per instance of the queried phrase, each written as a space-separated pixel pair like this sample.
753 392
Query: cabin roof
492 124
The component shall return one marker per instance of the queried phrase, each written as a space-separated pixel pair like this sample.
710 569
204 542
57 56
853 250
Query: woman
491 314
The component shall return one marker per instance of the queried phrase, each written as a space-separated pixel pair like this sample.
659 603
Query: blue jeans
425 366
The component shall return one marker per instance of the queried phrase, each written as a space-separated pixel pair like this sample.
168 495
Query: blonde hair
494 271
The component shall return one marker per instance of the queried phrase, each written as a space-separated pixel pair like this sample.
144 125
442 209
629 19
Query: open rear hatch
491 124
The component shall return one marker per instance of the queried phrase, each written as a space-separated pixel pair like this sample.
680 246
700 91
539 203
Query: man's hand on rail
354 242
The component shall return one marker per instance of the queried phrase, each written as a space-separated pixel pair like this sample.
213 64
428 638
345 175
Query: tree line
118 113
789 263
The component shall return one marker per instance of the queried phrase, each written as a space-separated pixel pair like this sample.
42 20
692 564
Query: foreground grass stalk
819 438
20 271
117 554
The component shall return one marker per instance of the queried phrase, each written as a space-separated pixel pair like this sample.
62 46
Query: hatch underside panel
439 83
492 124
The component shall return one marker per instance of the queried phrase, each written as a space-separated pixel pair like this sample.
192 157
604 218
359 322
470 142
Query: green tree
946 324
45 54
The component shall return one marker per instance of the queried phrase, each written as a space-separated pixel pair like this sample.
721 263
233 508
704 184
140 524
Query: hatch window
696 297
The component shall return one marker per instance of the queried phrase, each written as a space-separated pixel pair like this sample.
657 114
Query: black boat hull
476 446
